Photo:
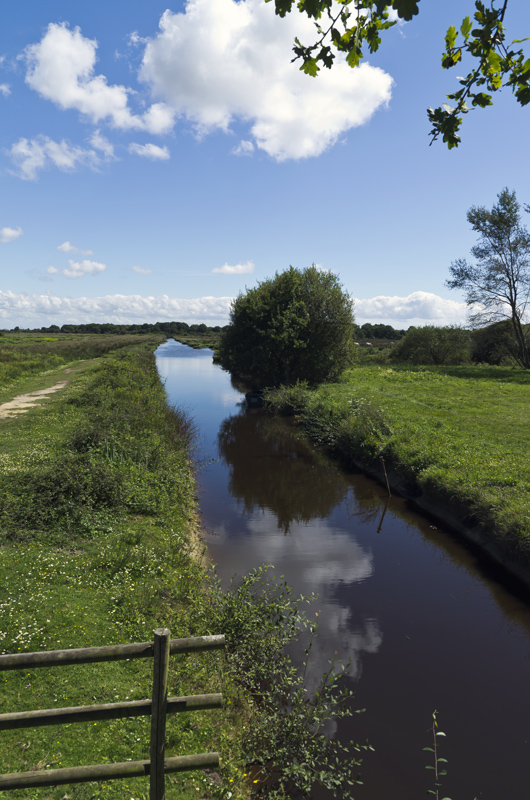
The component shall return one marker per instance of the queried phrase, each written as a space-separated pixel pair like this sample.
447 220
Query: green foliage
102 552
498 65
357 428
434 345
88 567
23 354
352 26
127 454
458 432
379 331
493 344
438 766
296 326
497 285
287 400
285 742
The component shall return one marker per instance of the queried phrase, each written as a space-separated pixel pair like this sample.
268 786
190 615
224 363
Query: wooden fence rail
157 708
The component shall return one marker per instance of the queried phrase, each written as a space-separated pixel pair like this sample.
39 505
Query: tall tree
497 285
295 326
352 26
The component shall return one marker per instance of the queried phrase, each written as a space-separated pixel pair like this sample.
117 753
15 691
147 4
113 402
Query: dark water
425 620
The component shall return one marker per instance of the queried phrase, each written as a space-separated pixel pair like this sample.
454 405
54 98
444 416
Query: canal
426 622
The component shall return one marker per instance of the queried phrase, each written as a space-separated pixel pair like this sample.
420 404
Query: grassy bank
97 517
29 354
460 434
199 340
99 545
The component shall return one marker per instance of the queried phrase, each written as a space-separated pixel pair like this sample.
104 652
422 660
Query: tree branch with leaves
350 27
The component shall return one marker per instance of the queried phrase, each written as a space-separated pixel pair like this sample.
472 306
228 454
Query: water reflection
286 495
456 638
268 471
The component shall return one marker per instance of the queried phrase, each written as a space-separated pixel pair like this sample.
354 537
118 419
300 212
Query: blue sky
155 160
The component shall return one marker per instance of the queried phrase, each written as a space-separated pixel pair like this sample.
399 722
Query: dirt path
21 403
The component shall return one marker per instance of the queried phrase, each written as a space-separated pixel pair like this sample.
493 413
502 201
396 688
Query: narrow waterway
425 621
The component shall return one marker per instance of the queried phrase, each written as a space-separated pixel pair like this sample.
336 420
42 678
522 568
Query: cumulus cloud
35 310
61 68
418 308
100 142
78 269
141 270
9 234
244 148
222 60
337 560
67 247
237 269
152 151
5 89
32 155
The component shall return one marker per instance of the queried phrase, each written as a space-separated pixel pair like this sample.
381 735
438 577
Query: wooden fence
157 708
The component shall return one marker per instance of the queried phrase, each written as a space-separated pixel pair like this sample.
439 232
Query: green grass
199 340
97 546
26 354
458 432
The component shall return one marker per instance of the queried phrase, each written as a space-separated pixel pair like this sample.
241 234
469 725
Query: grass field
459 432
97 512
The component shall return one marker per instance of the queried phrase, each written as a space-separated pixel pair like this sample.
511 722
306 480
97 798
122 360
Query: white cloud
9 234
151 151
52 270
61 68
135 39
244 148
418 308
32 155
67 247
223 60
334 552
100 142
5 89
35 310
237 269
78 269
141 270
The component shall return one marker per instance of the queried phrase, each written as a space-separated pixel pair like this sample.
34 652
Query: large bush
434 345
495 343
295 326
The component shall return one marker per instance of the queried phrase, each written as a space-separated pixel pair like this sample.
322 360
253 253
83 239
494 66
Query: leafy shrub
286 741
287 400
495 343
434 345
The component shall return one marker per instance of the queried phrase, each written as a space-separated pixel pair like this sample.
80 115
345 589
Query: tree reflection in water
283 485
277 472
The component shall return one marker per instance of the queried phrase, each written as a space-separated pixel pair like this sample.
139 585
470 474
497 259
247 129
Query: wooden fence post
158 714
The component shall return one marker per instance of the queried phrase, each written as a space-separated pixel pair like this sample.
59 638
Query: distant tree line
168 328
366 331
378 331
